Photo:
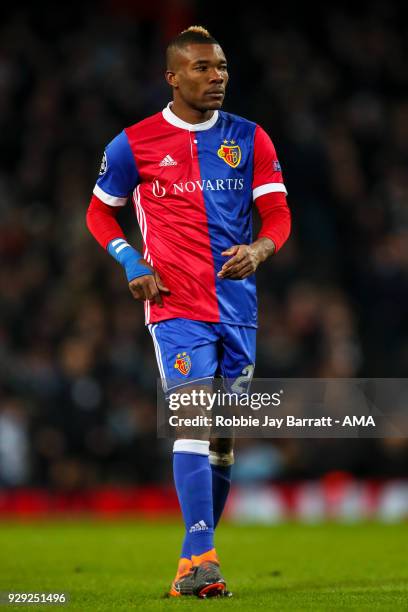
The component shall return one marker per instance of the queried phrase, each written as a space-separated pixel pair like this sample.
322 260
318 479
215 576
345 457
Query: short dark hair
193 35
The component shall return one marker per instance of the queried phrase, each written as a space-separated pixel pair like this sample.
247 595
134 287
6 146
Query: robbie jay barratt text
288 421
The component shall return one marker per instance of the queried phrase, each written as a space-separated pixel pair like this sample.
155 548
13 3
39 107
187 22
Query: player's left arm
269 194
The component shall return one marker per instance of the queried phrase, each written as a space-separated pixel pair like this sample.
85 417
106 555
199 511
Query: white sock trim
199 447
223 459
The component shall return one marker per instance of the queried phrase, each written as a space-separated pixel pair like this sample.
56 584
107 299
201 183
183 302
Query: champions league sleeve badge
104 165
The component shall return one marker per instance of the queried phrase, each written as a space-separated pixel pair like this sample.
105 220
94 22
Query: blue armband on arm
128 257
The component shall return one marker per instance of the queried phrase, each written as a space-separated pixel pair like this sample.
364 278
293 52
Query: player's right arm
118 177
269 194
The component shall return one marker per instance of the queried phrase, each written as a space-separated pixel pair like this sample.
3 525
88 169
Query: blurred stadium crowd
77 368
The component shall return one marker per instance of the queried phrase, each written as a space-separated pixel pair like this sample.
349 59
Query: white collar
192 127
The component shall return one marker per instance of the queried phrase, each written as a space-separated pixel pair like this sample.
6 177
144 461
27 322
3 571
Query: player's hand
148 287
245 258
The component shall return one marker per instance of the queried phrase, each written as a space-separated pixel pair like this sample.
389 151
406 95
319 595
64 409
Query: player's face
200 76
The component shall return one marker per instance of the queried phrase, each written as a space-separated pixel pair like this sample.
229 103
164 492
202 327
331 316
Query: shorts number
241 382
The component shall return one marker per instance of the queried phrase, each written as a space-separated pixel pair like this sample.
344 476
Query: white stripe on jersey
268 188
141 219
152 330
108 199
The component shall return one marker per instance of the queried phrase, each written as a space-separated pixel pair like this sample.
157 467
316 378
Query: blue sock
192 477
221 484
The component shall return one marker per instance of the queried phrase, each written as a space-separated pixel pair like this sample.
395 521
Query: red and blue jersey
193 188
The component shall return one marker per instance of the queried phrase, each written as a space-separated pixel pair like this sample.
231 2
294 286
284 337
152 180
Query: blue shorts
194 351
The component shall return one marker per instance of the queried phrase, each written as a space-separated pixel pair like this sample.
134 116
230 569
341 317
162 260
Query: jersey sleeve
118 175
102 223
267 176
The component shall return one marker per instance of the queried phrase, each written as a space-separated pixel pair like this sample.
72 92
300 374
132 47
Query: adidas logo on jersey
168 161
200 526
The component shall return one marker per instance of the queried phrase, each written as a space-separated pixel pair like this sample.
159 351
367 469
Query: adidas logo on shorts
200 526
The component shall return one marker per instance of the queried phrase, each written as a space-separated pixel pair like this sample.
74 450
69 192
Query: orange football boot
183 582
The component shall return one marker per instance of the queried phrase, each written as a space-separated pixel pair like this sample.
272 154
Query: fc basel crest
230 153
183 363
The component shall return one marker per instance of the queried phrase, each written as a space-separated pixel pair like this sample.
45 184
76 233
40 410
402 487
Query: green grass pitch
128 565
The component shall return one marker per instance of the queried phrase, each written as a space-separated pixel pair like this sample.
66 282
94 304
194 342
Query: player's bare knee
221 451
193 417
